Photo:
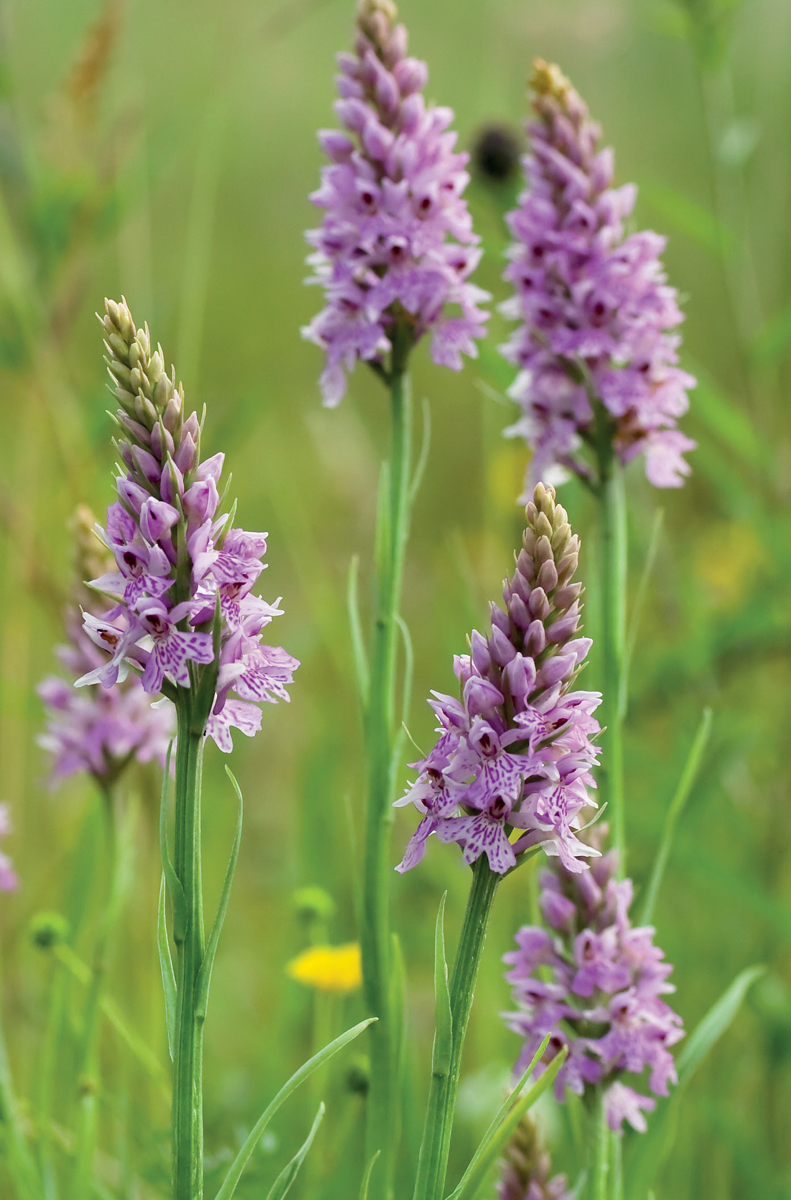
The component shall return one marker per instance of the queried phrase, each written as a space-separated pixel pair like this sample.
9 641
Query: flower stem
612 523
188 1048
435 1148
383 1125
598 1149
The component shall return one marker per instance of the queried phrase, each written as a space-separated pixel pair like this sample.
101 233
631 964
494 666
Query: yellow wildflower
328 968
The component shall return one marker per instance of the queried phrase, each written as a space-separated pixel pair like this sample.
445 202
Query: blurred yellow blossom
328 968
728 553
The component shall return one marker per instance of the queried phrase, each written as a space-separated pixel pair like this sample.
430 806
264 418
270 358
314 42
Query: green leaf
503 1128
506 1107
397 991
289 1173
355 625
685 783
690 218
166 969
240 1162
406 691
422 462
714 1024
383 533
651 1149
443 1035
203 982
367 1176
637 607
177 898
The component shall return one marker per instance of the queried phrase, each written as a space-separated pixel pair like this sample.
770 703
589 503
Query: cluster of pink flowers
396 243
97 730
515 751
594 307
184 576
595 984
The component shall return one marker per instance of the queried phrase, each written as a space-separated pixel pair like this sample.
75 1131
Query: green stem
88 1081
612 521
188 1048
598 1149
382 1127
435 1148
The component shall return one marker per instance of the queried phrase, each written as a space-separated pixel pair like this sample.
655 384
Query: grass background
171 162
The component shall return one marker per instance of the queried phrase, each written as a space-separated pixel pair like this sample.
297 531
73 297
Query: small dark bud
313 904
358 1076
48 929
495 154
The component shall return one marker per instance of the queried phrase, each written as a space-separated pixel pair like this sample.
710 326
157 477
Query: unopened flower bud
48 929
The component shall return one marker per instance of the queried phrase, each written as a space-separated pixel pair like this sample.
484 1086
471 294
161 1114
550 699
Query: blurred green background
166 152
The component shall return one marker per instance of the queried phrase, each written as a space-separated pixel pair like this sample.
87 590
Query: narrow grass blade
443 1035
652 1148
422 462
492 1145
397 987
355 626
289 1173
240 1162
166 968
674 812
713 1025
173 882
204 975
406 695
383 533
508 1103
367 1176
637 607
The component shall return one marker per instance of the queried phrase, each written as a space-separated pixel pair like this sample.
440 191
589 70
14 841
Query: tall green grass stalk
382 747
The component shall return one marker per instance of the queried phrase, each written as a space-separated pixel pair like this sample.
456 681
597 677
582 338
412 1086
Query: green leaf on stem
422 462
397 987
650 1151
674 812
203 982
355 626
240 1162
406 692
637 607
177 898
166 969
443 1036
383 533
504 1124
289 1173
